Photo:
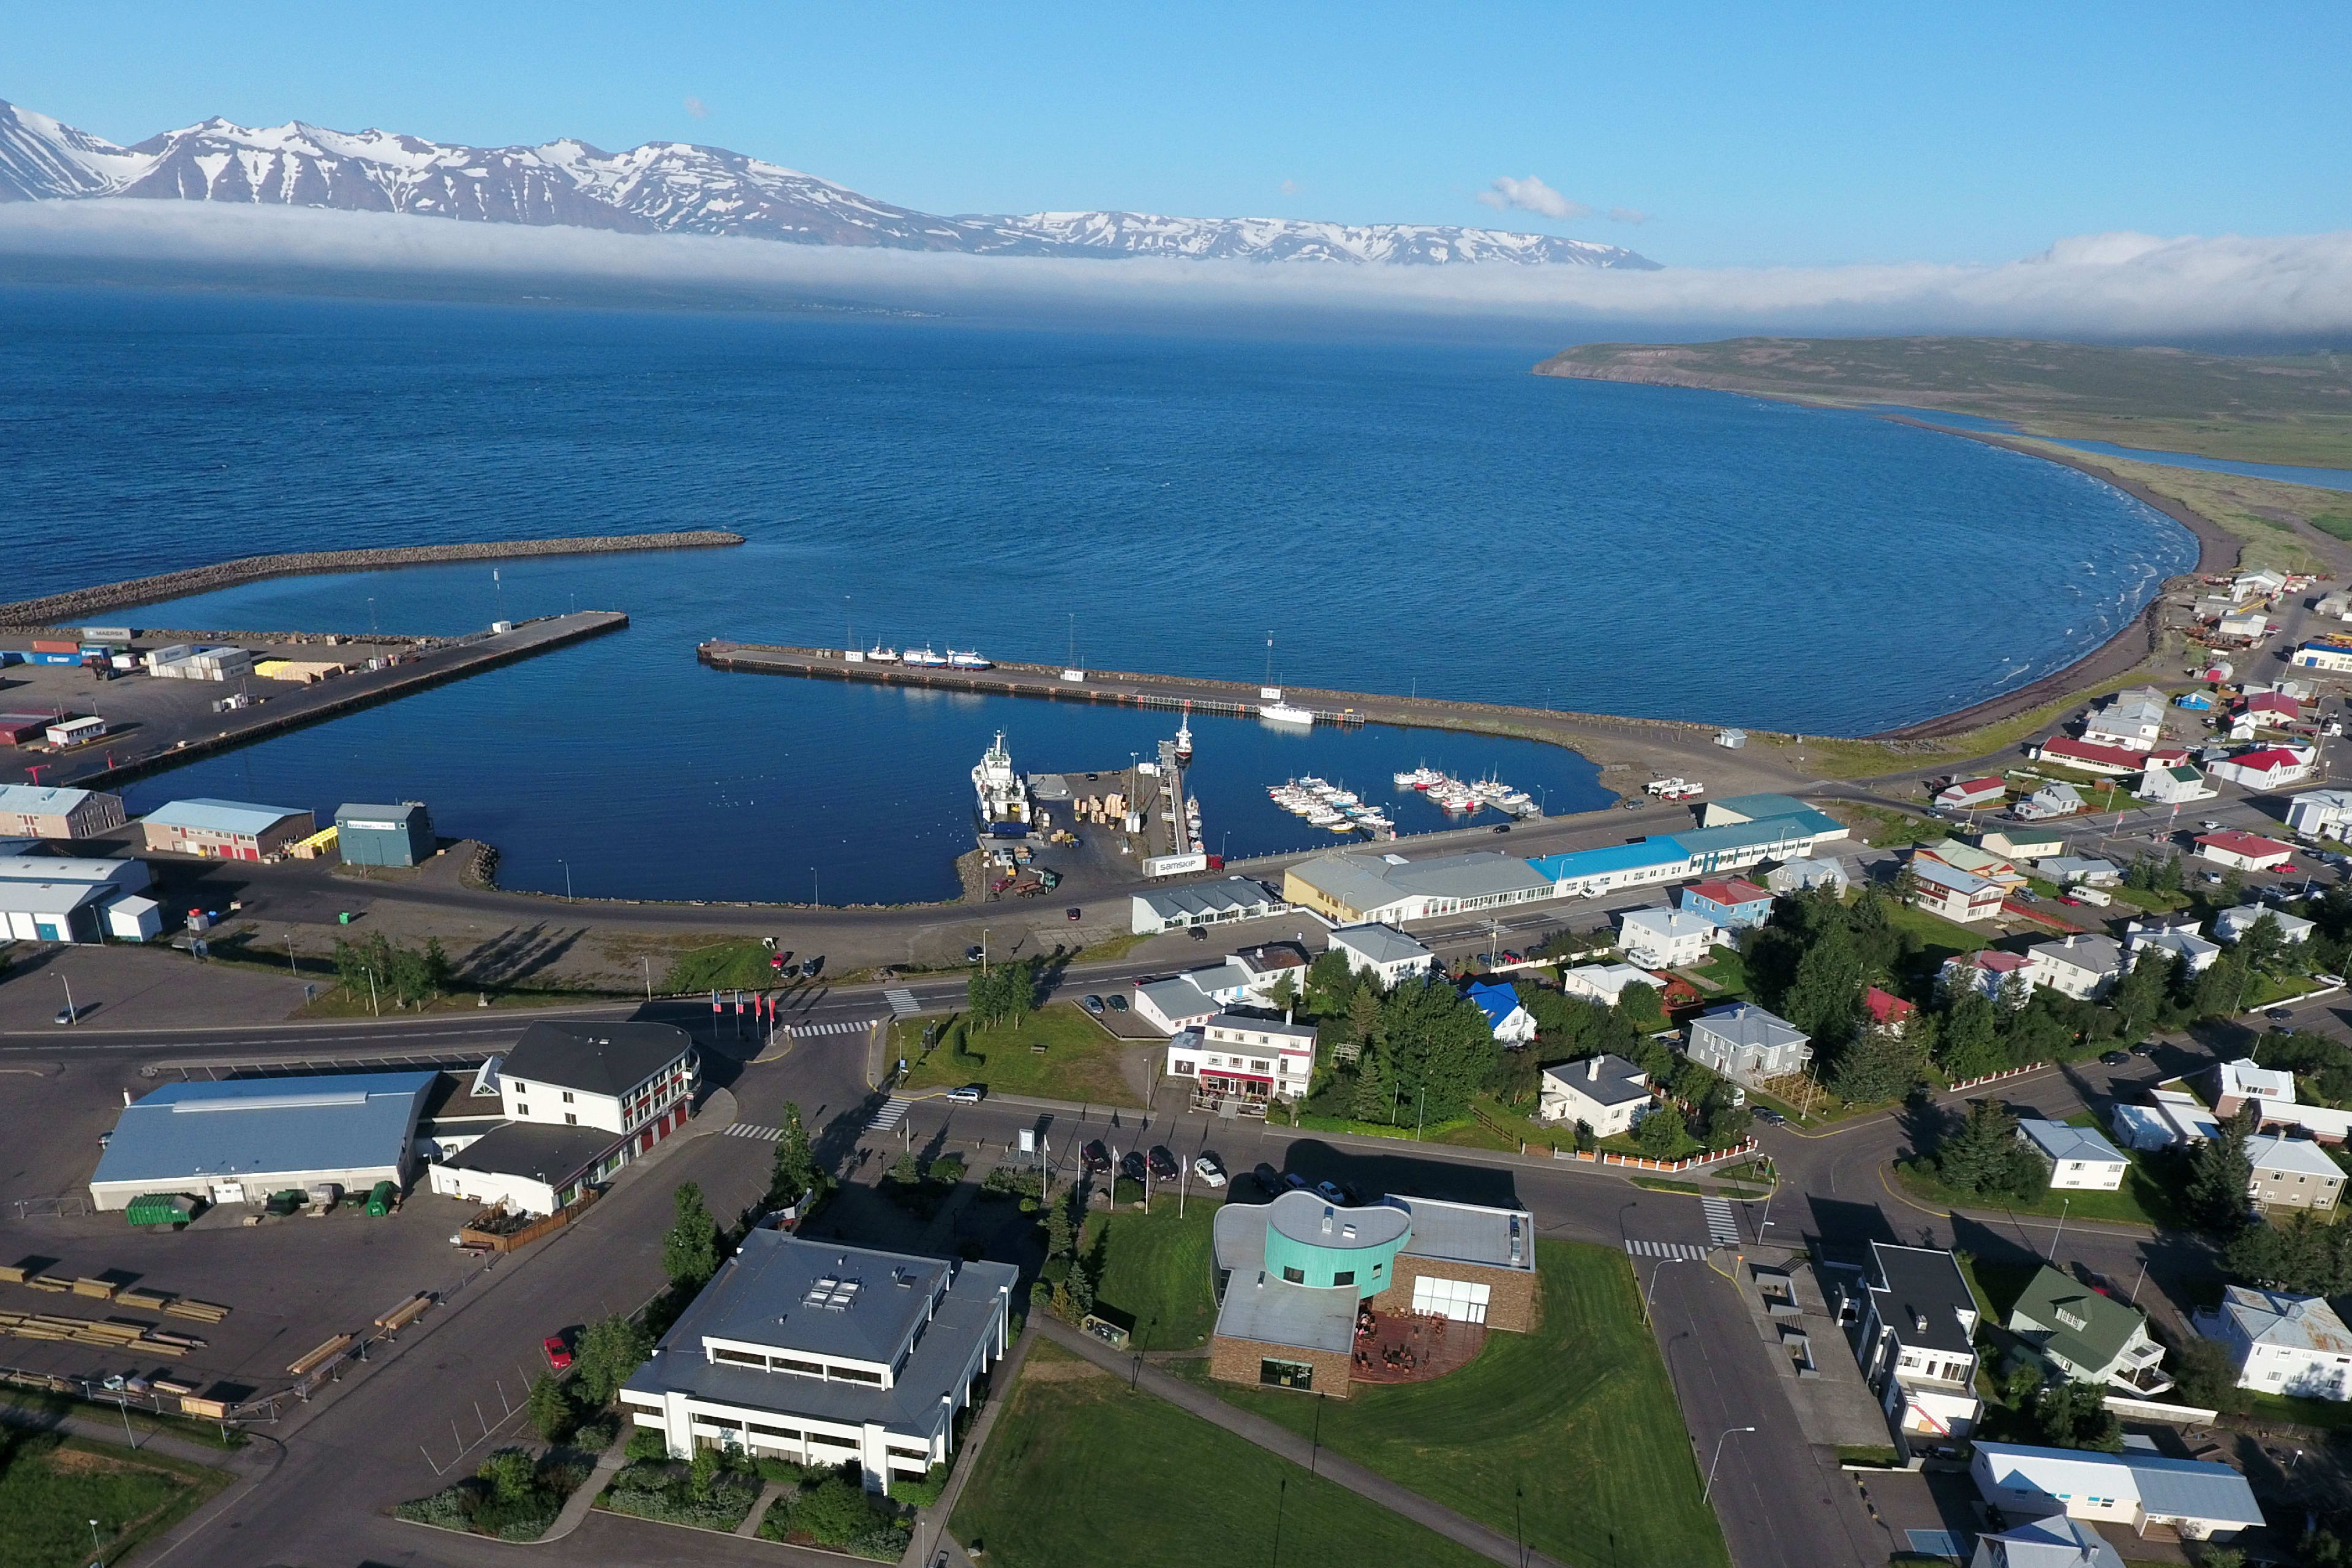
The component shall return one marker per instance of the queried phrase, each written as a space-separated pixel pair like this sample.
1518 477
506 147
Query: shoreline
39 613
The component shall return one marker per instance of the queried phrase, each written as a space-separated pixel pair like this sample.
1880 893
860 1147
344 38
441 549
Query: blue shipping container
53 658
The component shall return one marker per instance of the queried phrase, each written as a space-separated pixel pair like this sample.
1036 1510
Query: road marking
851 1026
745 1130
1689 1252
893 1111
902 1003
1721 1228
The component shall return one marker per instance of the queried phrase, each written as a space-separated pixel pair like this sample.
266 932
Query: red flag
714 1002
738 1004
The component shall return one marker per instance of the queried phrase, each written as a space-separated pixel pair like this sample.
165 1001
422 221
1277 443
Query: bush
833 1512
783 1472
451 1509
920 1493
596 1436
648 1445
883 1543
663 1491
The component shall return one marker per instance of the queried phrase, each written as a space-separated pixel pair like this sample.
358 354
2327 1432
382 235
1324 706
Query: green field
1159 1275
1579 1413
1080 1471
1081 1062
50 1489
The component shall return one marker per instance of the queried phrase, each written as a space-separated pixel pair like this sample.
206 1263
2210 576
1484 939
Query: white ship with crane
1004 799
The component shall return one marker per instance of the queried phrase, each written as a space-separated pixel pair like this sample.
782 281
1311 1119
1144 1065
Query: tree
2206 1377
1660 1133
1329 977
2262 944
1005 994
2220 1174
1364 1015
2296 1252
512 1475
2140 998
1375 1096
1438 1046
1282 995
1641 1007
1984 1156
795 1175
610 1350
835 1511
690 1249
1967 1036
552 1414
2075 1415
1824 998
1882 1064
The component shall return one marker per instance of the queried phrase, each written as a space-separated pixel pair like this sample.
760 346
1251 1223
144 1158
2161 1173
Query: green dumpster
381 1198
161 1208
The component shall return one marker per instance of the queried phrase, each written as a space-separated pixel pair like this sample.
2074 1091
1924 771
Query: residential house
2270 767
2243 851
2196 1500
2281 1343
1962 855
2080 870
1248 1061
2133 721
1382 952
2168 1120
2179 940
2047 802
1249 978
2292 1173
1800 876
1959 896
2320 1123
1606 1093
2233 922
1991 972
2090 756
2080 966
2239 1080
1918 1345
1744 1043
2080 1160
1604 983
1176 1004
2089 1336
2056 1542
2021 843
1968 794
818 1353
2320 812
1511 1023
1887 1011
1730 902
1665 939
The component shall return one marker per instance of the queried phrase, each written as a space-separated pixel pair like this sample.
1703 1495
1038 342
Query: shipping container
51 645
117 635
41 655
161 1208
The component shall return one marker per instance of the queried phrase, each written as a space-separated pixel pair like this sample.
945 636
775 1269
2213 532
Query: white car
1210 1172
967 1095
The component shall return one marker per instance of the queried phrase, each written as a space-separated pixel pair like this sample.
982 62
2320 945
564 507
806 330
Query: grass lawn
1579 1413
1081 1062
2143 1199
1158 1276
1842 758
1883 829
2148 898
1080 1471
1939 939
51 1488
726 964
210 1433
1728 972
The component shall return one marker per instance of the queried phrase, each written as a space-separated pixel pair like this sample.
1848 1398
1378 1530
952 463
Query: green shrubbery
513 1496
835 1510
712 1493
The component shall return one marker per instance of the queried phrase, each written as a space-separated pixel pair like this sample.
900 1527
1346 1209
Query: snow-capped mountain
674 187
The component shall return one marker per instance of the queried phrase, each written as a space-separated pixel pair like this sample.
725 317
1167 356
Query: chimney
1285 1014
1920 1322
1592 1072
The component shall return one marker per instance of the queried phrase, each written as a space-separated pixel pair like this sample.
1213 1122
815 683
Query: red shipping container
50 645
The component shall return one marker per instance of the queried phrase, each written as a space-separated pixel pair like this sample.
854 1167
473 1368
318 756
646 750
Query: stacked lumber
84 1331
189 1307
311 1360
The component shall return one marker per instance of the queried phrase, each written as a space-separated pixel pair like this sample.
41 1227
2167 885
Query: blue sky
1790 135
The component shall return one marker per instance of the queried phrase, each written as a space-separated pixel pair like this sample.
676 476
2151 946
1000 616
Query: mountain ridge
680 187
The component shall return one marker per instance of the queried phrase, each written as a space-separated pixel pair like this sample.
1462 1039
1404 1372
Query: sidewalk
577 1506
1280 1440
931 1536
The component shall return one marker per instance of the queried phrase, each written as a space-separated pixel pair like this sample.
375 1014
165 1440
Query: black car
1094 1157
2278 1015
1768 1116
2143 1049
1162 1163
2115 1059
1502 827
1118 1003
811 965
1292 1182
1130 1165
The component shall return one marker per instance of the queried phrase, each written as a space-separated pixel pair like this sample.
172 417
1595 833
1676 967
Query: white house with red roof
1988 971
2243 851
1966 794
2270 767
1887 1011
2090 756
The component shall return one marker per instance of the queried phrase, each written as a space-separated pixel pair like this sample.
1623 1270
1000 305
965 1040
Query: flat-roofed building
237 1141
399 834
44 811
1227 902
2168 1120
1918 1345
1353 889
1382 952
818 1353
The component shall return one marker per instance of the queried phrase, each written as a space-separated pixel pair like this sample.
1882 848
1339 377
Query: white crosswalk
852 1026
902 1003
1689 1251
745 1130
1720 1223
893 1111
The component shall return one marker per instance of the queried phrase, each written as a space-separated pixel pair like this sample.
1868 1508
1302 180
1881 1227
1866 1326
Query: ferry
1284 713
1002 799
969 660
922 658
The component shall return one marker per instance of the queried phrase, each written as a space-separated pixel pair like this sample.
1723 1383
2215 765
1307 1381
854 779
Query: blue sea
1392 516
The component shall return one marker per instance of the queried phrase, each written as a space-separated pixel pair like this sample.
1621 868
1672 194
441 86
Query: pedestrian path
902 1003
745 1130
894 1111
1688 1251
1721 1226
847 1027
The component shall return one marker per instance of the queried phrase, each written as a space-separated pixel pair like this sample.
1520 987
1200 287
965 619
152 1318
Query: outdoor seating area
1413 1347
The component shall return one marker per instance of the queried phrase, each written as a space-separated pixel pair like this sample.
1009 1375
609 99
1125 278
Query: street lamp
1708 1489
1651 1294
2063 1204
567 877
73 1013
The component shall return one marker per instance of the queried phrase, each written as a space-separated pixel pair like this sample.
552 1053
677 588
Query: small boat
1343 798
877 654
1184 736
969 660
923 659
1284 713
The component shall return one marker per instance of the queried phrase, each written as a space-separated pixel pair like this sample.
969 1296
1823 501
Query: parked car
1074 912
1131 1166
1510 957
2145 1048
2115 1059
1199 933
2278 1015
970 1094
64 1016
1768 1116
1093 1004
558 1350
809 967
1329 1193
2329 979
1292 1182
1502 827
1118 1003
1094 1157
2209 825
1266 1176
1161 1164
1207 1168
972 954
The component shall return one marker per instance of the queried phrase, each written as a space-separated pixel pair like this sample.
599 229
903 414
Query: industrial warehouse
240 1139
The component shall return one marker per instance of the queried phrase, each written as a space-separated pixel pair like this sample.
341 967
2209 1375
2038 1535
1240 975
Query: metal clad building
240 1139
225 829
34 811
398 834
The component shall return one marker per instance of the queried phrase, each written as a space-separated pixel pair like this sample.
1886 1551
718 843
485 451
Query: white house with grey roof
2080 966
2133 720
2054 1541
1245 979
2233 923
1803 875
2281 1343
1744 1043
1606 1093
1661 938
1247 1060
2201 1501
2079 1159
2180 941
1382 952
1604 983
1227 902
815 1352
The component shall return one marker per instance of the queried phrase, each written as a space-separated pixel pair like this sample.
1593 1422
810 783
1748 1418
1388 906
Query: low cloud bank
2123 286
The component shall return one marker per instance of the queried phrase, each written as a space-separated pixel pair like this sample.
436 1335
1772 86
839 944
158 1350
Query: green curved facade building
1327 1247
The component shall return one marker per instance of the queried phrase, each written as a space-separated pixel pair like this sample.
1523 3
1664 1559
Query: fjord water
1396 516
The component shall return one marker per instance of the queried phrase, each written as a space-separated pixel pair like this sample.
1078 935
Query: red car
559 1353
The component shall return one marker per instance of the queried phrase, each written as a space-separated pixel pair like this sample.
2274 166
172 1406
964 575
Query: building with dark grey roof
816 1352
1917 1347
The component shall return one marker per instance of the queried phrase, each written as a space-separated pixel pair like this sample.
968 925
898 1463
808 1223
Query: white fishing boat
1284 713
923 659
968 659
1343 798
1184 736
877 654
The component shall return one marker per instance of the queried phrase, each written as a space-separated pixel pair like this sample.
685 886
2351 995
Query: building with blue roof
239 1139
1591 872
2201 1501
1511 1023
225 829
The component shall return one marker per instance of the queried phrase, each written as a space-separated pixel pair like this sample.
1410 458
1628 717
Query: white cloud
1628 215
2124 286
697 108
1289 187
1530 194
